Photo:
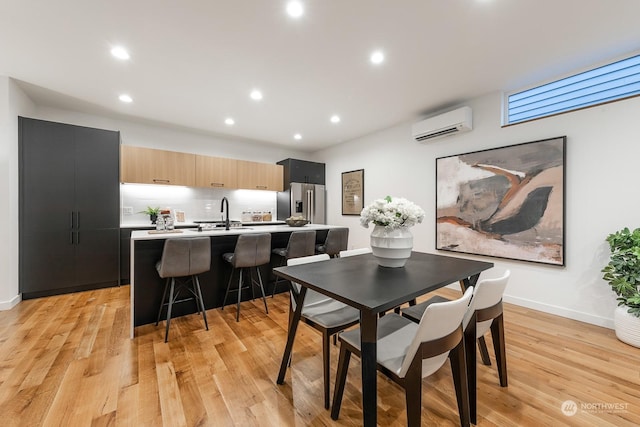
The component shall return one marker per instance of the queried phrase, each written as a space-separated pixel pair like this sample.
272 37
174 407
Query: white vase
627 326
392 248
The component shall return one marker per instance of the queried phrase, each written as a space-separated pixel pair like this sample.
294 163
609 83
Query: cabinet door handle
77 220
217 184
161 180
71 220
261 187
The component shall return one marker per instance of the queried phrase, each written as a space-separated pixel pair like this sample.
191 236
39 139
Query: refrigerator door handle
309 211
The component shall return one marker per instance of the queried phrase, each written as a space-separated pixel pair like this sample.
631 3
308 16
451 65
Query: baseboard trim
606 322
561 311
8 305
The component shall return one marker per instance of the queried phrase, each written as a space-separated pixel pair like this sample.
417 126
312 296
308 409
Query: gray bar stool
301 243
337 240
183 258
252 250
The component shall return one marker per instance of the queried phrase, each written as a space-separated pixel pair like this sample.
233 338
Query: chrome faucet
226 221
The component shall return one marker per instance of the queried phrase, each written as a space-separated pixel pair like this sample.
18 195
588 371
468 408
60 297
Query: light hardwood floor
68 361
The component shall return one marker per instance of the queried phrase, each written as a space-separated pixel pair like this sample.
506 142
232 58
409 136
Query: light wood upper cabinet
259 176
216 172
150 166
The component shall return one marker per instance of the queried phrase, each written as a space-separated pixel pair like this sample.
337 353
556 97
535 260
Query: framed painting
506 202
352 192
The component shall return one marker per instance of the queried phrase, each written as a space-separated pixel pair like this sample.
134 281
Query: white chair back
353 252
312 297
488 293
438 320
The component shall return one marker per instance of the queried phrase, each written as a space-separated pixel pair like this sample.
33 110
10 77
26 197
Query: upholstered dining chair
354 252
183 259
301 243
323 314
337 240
487 303
408 352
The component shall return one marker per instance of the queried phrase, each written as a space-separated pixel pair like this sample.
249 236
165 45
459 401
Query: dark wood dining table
358 281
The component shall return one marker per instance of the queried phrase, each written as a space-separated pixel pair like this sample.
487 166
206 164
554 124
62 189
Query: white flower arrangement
392 213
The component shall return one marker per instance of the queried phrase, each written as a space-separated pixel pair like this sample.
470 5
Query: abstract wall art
504 202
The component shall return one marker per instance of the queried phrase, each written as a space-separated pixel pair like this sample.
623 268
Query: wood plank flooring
68 361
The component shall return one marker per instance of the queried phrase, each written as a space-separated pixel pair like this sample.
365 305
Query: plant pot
153 218
627 326
392 248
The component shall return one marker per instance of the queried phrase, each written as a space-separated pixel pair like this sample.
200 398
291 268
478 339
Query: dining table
360 282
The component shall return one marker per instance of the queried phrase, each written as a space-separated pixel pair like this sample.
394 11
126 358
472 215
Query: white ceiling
194 62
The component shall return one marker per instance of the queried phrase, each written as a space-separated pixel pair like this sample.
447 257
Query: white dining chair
487 304
408 352
325 315
353 252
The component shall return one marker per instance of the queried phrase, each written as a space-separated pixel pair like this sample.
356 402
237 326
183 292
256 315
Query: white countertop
145 235
147 225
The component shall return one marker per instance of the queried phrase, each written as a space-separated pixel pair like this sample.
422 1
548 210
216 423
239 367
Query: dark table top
359 282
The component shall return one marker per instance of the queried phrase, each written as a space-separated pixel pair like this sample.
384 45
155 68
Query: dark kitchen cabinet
69 208
302 171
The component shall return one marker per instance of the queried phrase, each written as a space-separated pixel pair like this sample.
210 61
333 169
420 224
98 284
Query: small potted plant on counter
623 274
152 212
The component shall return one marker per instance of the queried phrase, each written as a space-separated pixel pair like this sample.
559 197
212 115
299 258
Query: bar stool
337 240
301 243
183 258
252 250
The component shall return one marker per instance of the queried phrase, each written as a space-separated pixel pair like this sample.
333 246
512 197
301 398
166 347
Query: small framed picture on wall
352 192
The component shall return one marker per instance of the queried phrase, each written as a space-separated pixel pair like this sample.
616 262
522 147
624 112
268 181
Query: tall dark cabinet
69 208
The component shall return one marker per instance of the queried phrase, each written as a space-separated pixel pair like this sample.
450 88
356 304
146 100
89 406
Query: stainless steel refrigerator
307 200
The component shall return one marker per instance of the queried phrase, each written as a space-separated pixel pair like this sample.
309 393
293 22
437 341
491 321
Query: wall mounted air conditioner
450 123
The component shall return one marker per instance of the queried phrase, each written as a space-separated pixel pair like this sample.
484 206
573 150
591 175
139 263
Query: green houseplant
623 275
152 212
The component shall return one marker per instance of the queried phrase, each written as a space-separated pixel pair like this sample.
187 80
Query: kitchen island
146 250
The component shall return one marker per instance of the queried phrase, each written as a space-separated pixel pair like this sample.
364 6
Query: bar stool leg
201 301
239 297
264 299
224 302
171 300
164 295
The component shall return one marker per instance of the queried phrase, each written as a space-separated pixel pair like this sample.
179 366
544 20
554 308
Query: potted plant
623 275
152 212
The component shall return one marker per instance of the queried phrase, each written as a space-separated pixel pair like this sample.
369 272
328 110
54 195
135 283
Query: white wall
13 102
601 194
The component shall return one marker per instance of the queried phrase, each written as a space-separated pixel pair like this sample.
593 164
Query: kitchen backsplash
197 203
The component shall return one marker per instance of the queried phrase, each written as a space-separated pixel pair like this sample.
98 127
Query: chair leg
326 366
484 353
460 382
253 295
275 284
264 298
201 301
171 300
497 335
164 296
413 393
224 301
239 296
341 379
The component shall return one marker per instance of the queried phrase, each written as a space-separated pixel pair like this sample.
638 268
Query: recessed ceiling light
125 98
377 57
295 9
297 137
120 53
335 119
256 95
229 121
